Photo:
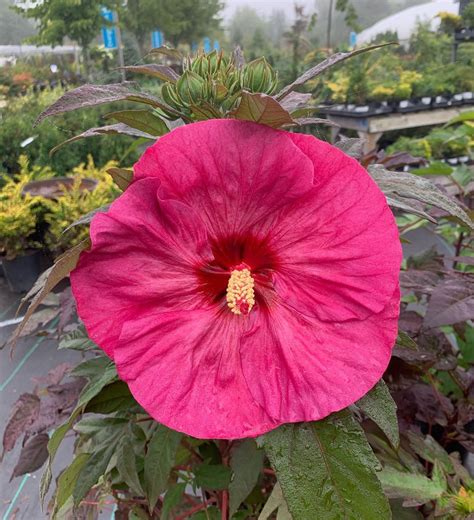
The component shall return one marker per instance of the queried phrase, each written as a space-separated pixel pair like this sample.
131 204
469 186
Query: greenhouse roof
405 22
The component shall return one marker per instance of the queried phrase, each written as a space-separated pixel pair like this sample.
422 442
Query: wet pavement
33 358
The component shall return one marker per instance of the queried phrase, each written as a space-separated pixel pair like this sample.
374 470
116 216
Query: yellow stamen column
240 291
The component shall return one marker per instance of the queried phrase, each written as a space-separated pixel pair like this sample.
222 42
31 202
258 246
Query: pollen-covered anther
240 291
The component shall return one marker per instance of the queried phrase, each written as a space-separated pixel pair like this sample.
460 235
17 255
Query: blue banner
157 39
109 34
207 44
352 39
217 47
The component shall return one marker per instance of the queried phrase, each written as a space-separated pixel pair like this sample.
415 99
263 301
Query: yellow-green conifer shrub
19 215
76 202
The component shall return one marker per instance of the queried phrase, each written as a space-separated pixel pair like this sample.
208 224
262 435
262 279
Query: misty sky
264 6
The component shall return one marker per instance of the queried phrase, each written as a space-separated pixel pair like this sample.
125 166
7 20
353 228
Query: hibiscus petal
184 369
144 256
338 247
233 172
300 369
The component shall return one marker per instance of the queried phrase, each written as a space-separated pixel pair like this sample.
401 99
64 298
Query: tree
187 21
182 22
296 36
58 19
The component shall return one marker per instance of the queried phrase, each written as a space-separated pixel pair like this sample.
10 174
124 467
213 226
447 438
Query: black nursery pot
21 272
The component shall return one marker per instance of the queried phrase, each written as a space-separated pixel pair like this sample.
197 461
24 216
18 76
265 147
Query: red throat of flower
240 293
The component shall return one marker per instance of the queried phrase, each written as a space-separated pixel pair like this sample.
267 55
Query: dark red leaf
24 413
451 302
33 455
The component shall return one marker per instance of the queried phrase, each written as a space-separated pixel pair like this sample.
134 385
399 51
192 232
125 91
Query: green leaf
323 66
91 472
142 120
435 168
379 406
212 476
77 340
94 425
158 462
67 481
326 469
262 109
428 449
121 177
95 385
275 501
465 116
127 465
401 188
53 446
112 398
246 463
91 367
172 499
404 340
398 484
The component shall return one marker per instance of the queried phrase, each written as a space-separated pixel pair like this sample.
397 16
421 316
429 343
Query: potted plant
19 246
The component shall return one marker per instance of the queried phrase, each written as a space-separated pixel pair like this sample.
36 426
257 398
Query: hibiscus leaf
53 446
352 146
77 340
428 449
262 109
212 476
48 281
67 481
323 66
404 341
24 413
172 499
91 95
153 69
379 406
32 456
398 484
327 469
118 128
166 51
451 302
142 120
123 178
127 465
112 398
246 462
95 467
402 188
87 218
275 501
158 462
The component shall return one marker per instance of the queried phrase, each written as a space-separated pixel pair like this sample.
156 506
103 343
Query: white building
405 22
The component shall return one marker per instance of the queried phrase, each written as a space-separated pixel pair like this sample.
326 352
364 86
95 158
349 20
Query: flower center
240 291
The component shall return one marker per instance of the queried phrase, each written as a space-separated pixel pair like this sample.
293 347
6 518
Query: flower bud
259 76
190 88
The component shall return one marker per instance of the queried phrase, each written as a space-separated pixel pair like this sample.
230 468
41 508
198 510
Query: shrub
76 202
17 120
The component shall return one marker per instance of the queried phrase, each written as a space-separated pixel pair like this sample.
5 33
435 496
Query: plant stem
225 505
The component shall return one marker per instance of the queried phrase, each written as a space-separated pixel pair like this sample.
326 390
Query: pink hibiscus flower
248 277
